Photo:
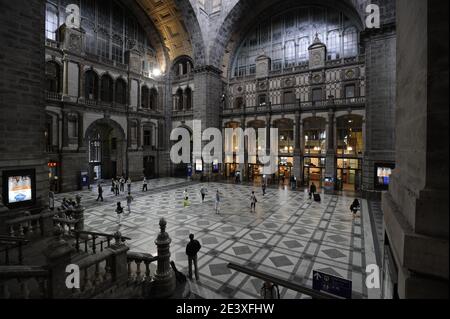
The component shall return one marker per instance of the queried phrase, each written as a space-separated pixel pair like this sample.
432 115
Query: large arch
106 142
245 14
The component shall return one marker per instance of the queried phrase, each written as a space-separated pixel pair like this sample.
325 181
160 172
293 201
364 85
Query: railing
56 96
292 107
86 237
29 225
134 262
281 282
7 244
23 282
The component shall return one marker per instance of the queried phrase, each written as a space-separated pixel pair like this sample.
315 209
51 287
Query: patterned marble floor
289 236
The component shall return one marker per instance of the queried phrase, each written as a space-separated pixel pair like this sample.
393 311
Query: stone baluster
138 270
87 284
147 271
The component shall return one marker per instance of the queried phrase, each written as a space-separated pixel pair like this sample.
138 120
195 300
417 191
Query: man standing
264 188
144 184
253 201
192 248
129 200
100 192
312 190
129 184
116 187
122 184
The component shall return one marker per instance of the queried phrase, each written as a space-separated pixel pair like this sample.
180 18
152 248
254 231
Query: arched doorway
181 169
286 149
106 150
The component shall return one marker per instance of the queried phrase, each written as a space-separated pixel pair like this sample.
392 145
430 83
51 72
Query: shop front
349 174
314 171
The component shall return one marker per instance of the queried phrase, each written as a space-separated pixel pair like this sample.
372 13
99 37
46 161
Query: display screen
384 175
198 165
20 189
215 166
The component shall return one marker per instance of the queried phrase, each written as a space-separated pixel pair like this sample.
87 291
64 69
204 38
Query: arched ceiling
178 27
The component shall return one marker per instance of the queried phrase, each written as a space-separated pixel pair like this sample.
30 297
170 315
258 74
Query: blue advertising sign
189 170
84 179
331 284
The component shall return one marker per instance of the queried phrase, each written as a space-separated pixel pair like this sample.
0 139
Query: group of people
118 185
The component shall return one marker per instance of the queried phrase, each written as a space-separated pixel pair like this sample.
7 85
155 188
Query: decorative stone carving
317 54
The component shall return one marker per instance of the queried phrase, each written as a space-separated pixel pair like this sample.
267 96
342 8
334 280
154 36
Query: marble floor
289 236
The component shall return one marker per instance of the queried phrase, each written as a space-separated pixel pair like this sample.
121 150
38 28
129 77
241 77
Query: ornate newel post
164 283
58 254
78 213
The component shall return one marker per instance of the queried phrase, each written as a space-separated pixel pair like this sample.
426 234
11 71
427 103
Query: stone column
416 208
298 171
330 160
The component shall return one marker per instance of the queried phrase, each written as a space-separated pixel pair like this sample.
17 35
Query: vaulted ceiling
169 21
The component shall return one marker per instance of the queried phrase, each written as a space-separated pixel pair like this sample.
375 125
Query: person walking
270 291
122 184
129 200
217 202
113 186
100 192
119 211
129 184
312 190
186 202
116 187
253 201
185 194
354 207
144 184
203 193
192 249
264 187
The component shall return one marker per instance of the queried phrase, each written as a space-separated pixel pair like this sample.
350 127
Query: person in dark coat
192 248
312 190
100 192
354 207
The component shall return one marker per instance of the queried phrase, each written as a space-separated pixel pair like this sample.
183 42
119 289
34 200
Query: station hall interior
91 92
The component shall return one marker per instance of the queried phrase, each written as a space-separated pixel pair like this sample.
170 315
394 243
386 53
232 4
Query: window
188 95
350 43
103 46
121 92
145 95
72 126
262 100
117 50
51 21
52 77
285 38
147 137
317 95
315 135
180 99
95 150
303 54
106 89
350 135
153 99
334 44
289 97
91 85
350 91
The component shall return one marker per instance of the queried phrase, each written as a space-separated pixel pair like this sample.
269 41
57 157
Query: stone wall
22 109
416 206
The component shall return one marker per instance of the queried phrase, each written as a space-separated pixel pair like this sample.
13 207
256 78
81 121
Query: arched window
52 77
183 66
289 54
91 85
180 98
333 45
51 21
350 43
153 99
121 92
106 89
188 95
145 96
303 45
